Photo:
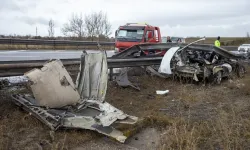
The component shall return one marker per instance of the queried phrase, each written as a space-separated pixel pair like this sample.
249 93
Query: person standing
217 42
169 40
179 40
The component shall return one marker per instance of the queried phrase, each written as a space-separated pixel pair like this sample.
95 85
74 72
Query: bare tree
75 26
248 35
90 26
51 28
97 25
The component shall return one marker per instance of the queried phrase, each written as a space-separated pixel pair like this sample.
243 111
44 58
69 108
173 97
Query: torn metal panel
93 114
93 77
96 116
52 86
89 123
166 61
153 71
122 80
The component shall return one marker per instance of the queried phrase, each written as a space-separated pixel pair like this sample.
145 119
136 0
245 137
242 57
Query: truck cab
134 33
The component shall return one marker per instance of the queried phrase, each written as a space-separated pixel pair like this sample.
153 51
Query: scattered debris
162 92
122 80
152 71
68 106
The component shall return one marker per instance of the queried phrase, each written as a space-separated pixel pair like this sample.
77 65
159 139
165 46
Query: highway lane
18 55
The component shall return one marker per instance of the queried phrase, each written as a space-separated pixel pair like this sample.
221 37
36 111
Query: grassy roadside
189 117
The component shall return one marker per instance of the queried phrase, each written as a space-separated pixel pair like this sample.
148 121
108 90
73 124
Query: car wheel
218 77
241 70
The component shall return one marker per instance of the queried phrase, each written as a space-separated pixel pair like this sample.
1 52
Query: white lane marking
12 51
9 52
20 56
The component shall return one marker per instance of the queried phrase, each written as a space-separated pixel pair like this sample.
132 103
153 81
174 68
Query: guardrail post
54 45
110 74
10 44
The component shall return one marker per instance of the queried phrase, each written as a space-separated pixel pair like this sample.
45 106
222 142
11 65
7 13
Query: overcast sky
174 17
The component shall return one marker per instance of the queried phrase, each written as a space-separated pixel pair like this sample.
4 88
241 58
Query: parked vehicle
173 39
245 48
178 40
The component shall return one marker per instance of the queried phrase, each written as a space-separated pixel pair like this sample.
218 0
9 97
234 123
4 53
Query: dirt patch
188 117
147 139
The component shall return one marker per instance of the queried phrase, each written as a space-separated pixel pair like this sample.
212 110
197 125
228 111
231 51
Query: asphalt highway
18 55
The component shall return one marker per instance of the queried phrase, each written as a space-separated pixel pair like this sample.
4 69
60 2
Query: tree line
93 26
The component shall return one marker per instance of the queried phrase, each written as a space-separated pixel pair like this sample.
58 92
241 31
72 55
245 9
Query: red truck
134 33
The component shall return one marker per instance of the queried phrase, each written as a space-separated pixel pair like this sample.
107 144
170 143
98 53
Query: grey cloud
179 16
36 20
199 18
17 5
32 21
10 5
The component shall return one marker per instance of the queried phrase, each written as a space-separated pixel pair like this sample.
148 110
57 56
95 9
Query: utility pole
36 31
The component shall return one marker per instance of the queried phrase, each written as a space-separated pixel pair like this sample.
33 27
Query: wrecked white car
201 64
190 62
59 103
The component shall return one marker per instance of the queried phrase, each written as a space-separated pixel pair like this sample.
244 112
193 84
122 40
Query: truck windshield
130 35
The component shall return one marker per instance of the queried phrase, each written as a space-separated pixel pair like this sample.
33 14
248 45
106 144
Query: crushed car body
198 62
59 103
201 63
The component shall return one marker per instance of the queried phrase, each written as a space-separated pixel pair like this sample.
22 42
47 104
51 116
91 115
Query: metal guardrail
18 68
72 43
53 42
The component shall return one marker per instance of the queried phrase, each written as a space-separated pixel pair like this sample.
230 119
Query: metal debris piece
52 86
91 81
122 80
152 71
90 112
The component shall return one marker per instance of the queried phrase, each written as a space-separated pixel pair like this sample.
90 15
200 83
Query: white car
245 48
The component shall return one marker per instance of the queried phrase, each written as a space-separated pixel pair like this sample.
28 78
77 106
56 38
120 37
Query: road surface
18 55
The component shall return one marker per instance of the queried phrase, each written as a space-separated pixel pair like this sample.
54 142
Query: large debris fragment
52 86
86 109
92 79
122 80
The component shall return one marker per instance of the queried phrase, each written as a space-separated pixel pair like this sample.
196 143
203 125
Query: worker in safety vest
217 42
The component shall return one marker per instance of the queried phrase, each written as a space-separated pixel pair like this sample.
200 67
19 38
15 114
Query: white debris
165 63
162 92
52 86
